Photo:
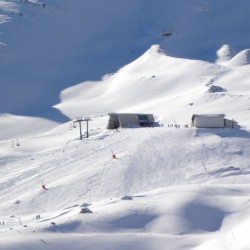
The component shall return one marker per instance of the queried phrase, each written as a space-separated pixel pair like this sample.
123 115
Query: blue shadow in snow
202 217
225 132
230 171
65 227
133 221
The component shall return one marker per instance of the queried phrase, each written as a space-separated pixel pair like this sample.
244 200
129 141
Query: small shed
117 120
208 120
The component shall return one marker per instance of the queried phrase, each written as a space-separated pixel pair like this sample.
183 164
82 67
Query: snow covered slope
175 188
172 88
181 187
49 45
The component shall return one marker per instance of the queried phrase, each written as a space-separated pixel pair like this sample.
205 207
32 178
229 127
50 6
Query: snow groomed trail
175 181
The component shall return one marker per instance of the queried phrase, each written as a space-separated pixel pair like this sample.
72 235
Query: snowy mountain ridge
156 78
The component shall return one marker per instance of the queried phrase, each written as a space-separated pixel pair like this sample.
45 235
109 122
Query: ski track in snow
182 184
168 188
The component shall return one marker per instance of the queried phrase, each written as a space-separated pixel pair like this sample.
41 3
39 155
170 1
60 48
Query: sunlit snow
172 186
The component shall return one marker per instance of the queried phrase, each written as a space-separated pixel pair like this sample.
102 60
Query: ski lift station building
212 121
117 120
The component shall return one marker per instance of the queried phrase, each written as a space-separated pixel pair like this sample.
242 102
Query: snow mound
225 53
156 49
241 59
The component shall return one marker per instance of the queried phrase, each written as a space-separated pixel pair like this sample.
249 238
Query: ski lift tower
80 120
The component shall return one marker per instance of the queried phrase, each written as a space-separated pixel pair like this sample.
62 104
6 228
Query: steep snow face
51 44
58 43
9 7
171 88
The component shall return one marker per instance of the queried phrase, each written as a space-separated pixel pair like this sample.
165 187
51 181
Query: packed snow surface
170 187
181 187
